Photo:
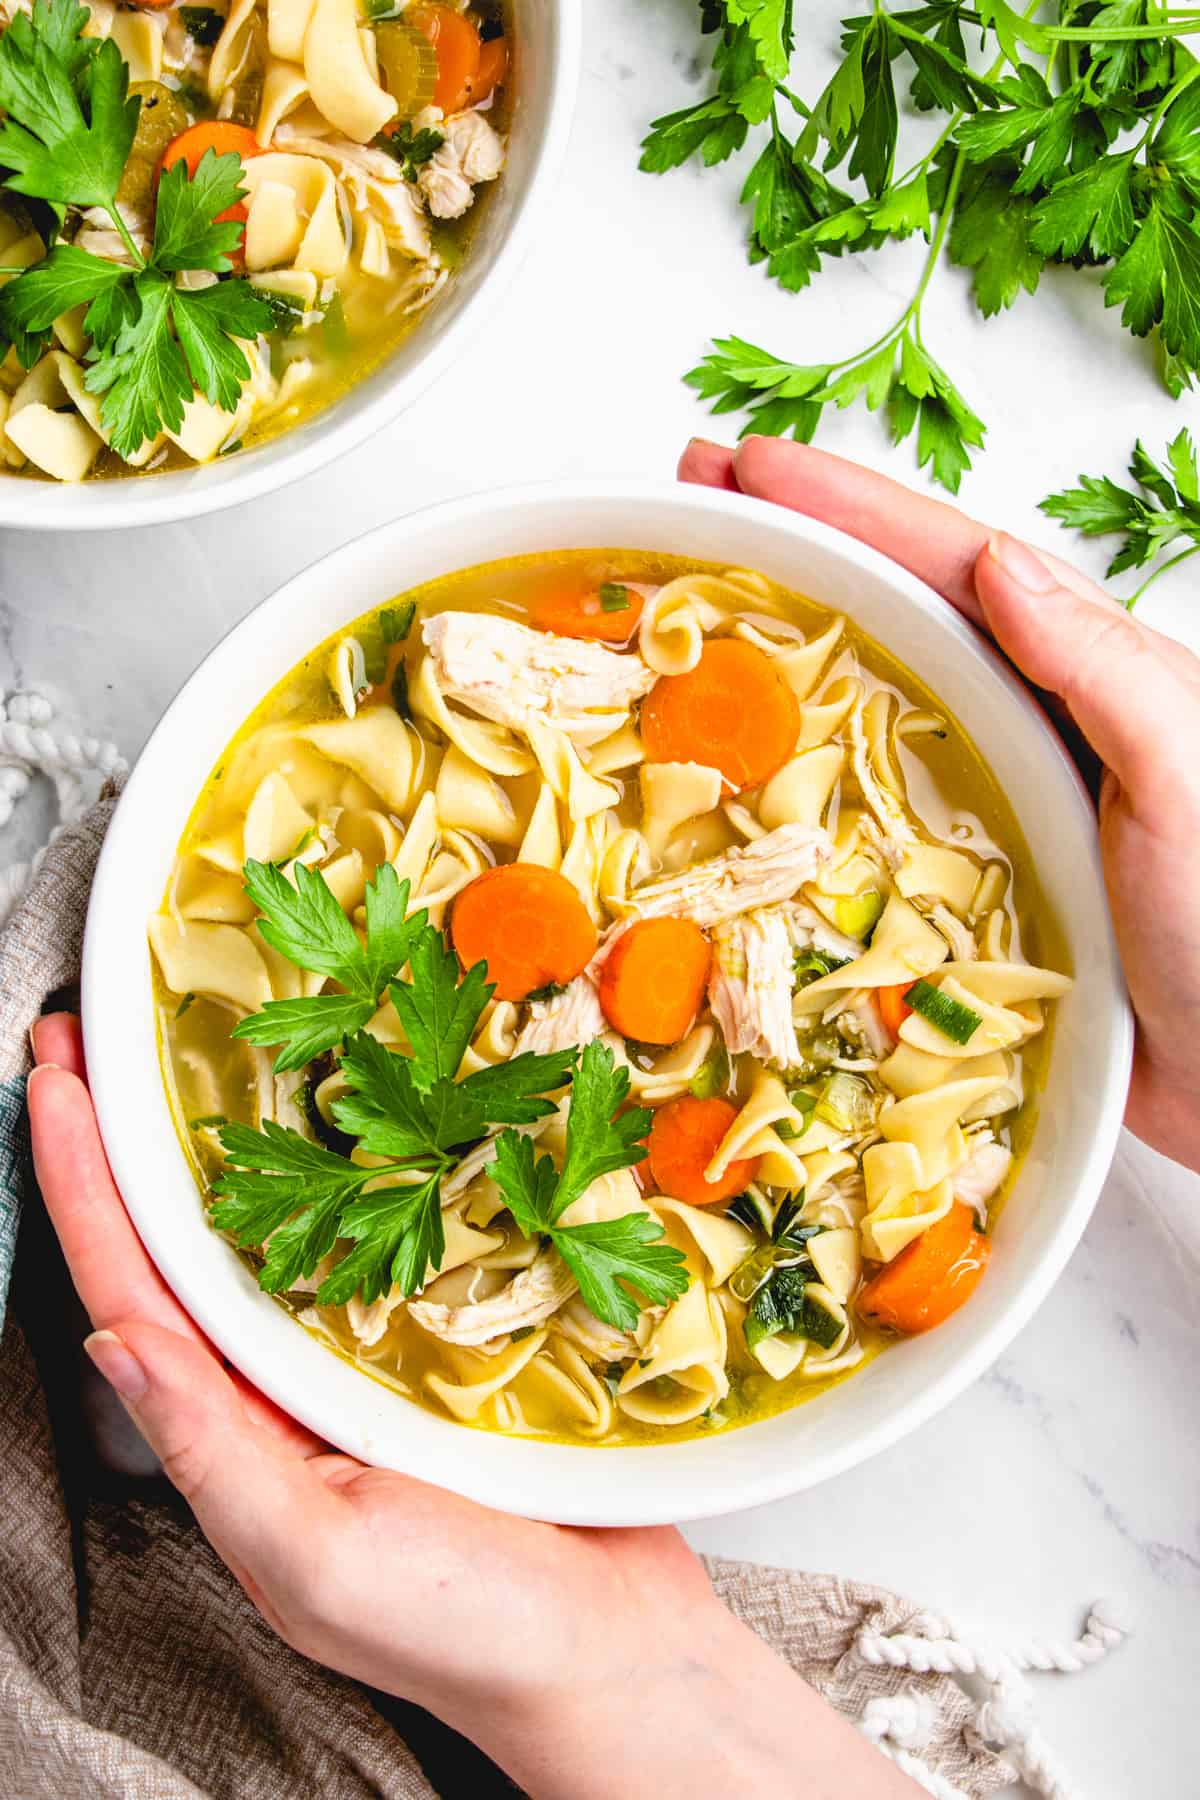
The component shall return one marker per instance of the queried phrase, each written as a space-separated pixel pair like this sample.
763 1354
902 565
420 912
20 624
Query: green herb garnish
202 24
304 923
189 999
1165 511
943 1012
612 1256
810 965
395 622
66 138
1075 143
411 149
614 598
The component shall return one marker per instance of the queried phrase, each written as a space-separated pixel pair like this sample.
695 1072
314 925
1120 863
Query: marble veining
1073 1468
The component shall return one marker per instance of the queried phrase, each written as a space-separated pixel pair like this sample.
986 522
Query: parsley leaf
142 373
1166 510
1158 281
207 322
610 1256
66 278
305 924
188 230
992 235
438 1013
53 149
399 1237
412 150
280 1177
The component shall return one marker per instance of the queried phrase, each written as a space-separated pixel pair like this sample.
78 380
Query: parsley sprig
1166 509
1077 143
609 1256
65 140
413 1118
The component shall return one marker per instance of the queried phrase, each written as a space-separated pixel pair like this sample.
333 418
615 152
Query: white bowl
547 77
1054 1194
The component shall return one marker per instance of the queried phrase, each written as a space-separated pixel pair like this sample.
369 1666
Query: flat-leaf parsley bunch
1073 139
65 140
415 1119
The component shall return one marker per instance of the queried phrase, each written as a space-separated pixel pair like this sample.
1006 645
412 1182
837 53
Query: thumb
1123 693
241 1483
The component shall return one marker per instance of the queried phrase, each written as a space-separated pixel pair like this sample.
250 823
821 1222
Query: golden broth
952 794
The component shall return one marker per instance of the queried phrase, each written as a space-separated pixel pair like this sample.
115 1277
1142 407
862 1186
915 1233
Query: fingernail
703 443
40 1069
117 1363
1024 565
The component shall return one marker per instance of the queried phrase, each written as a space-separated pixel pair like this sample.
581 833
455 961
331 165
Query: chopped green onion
776 1307
805 1105
859 914
846 1102
302 843
231 448
712 1077
395 622
184 1004
614 597
949 1016
810 965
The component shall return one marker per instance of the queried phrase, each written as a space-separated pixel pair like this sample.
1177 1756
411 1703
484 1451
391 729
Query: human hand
1133 694
590 1664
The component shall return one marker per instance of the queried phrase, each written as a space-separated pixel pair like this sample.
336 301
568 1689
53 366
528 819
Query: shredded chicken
373 183
760 873
570 1018
961 941
896 828
750 987
369 1323
528 1301
472 152
581 1327
508 673
982 1175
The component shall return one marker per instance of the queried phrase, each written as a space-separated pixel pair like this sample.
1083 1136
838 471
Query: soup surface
604 997
285 190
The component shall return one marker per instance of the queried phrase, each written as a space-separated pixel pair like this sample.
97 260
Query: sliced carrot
224 138
684 1138
459 52
493 67
733 710
527 924
582 612
931 1278
893 1007
653 980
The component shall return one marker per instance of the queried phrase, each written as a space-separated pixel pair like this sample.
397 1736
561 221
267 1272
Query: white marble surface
1073 1469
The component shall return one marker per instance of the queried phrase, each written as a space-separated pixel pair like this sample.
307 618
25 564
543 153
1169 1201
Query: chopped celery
858 915
943 1012
846 1102
712 1077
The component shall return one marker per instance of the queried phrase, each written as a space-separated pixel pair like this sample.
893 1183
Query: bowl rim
28 505
661 1500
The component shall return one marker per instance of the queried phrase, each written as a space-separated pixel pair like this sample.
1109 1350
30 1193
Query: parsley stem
1122 34
938 243
114 213
1172 563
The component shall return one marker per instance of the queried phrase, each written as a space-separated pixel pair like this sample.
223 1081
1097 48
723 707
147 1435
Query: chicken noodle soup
289 187
604 997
